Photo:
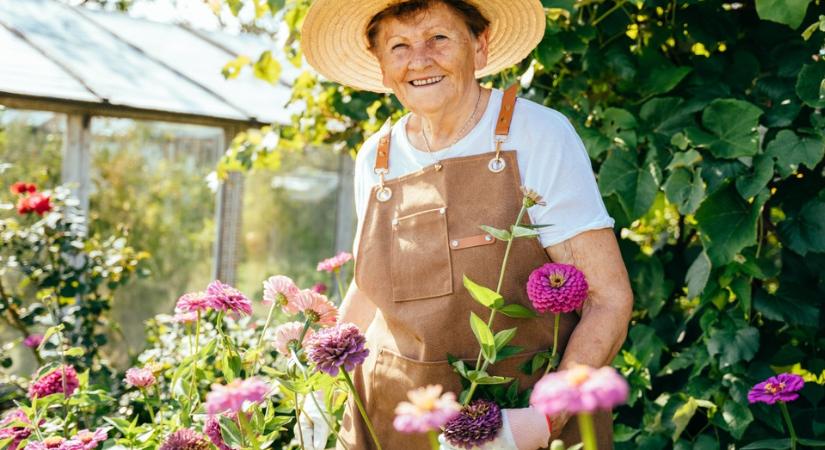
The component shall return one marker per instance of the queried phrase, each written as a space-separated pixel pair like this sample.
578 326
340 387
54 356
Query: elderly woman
426 184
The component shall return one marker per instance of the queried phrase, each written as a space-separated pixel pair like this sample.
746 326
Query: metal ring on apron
383 193
496 164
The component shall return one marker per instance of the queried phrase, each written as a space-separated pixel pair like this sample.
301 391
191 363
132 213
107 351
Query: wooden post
228 221
77 158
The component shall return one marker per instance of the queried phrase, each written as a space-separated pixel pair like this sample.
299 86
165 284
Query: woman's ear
482 49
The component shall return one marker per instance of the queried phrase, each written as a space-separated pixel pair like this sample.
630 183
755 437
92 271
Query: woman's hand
521 429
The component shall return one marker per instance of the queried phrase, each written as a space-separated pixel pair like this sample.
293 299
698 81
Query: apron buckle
497 164
383 193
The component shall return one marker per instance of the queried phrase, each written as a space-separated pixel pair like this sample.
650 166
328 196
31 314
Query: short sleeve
362 183
558 168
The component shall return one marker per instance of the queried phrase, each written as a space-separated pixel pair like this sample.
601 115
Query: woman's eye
439 37
398 46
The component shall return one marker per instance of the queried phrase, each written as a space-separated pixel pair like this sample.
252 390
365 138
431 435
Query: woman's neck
445 127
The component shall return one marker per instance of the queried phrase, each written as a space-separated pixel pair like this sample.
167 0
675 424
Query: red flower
22 188
38 203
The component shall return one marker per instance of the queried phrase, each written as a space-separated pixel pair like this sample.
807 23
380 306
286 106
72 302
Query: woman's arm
356 308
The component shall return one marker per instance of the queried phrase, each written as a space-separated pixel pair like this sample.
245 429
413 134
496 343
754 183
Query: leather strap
505 116
382 159
472 241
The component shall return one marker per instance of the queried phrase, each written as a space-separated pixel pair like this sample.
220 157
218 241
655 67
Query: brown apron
417 242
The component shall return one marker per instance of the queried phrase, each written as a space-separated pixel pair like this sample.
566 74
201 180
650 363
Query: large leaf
804 231
787 12
517 311
769 444
697 275
667 115
751 184
686 189
733 346
810 85
484 337
789 151
732 125
727 223
483 295
635 184
660 80
737 417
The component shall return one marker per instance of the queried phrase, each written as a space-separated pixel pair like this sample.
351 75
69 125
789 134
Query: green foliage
700 119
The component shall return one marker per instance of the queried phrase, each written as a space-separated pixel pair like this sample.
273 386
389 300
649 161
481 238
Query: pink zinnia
16 433
315 307
783 388
224 297
579 389
427 410
334 264
33 340
48 443
340 346
53 382
280 290
212 429
140 378
193 302
185 317
185 439
557 288
86 440
232 396
289 334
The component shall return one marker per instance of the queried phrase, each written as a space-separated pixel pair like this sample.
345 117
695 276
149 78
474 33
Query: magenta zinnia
783 388
280 290
476 424
186 439
53 382
212 429
557 288
193 302
140 378
427 410
334 264
579 389
224 297
33 340
232 396
336 347
15 433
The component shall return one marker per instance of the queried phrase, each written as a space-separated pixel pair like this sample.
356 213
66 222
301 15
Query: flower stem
433 437
261 338
787 416
588 433
555 344
361 409
304 332
340 286
193 380
148 405
298 420
315 401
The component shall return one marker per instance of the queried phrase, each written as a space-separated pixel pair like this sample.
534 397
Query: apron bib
419 237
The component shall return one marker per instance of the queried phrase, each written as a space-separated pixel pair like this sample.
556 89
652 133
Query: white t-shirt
551 157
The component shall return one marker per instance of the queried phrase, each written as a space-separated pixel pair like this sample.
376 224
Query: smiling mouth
426 81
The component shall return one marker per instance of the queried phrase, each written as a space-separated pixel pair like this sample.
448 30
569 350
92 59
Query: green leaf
737 417
484 337
751 184
507 351
635 184
804 231
231 366
811 442
519 231
786 12
517 311
698 274
809 85
503 337
733 128
481 377
549 51
48 333
233 68
660 80
733 346
230 432
686 189
483 295
727 224
501 235
682 416
789 151
686 159
267 68
775 444
667 115
74 352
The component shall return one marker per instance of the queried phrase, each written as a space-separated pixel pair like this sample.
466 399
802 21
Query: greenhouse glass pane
149 177
289 221
32 142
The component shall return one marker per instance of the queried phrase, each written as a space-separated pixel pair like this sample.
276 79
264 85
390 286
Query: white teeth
427 81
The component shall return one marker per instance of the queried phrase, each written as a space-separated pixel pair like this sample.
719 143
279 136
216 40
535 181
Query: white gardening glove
311 424
527 423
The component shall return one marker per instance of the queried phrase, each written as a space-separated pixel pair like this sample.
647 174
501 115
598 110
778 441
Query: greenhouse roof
65 57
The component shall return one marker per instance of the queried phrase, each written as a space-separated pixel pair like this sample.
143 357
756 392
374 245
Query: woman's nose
420 57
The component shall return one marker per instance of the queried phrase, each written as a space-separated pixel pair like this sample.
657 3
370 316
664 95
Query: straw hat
334 37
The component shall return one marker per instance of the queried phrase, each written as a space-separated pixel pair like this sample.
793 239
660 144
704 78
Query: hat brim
334 38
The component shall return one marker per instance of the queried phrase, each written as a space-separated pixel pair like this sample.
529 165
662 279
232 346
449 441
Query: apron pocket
420 264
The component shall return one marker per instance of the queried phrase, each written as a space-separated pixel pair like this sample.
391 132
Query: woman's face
429 60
